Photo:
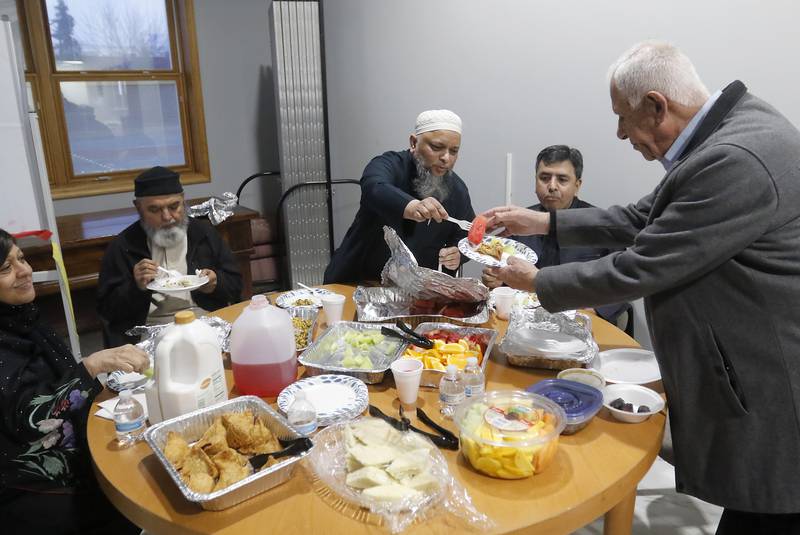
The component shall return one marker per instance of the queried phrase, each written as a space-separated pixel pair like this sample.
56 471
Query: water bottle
302 415
473 379
451 391
128 419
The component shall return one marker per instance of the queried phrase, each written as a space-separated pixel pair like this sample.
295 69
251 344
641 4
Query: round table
594 473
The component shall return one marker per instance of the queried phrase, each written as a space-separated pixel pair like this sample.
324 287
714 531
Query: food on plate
175 282
427 307
219 459
492 247
477 230
303 302
448 348
301 331
488 434
622 405
386 465
355 349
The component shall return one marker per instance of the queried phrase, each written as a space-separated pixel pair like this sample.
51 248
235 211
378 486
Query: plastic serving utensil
292 447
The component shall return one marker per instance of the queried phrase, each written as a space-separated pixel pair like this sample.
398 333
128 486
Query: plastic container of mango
510 434
456 344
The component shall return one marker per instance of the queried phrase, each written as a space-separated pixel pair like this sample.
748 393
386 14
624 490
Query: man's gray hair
657 66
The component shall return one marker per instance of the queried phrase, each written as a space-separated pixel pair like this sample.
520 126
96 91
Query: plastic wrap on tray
329 463
380 304
192 426
432 377
326 354
150 334
309 315
402 270
526 323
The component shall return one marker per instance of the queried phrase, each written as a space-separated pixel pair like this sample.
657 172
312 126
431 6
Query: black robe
386 189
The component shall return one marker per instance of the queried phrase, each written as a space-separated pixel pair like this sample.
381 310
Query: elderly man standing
559 172
164 236
412 191
714 252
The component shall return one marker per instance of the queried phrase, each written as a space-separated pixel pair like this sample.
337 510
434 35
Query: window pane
116 126
109 35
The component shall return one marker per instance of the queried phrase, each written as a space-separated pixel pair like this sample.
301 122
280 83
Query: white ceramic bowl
636 395
587 376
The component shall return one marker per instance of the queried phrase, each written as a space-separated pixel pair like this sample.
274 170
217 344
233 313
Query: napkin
106 409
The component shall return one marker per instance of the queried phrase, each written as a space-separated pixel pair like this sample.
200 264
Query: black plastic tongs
408 335
445 439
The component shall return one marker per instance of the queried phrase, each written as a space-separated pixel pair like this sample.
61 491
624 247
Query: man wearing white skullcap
413 191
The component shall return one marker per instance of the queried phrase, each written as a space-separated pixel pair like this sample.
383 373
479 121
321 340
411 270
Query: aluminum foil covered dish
538 339
418 294
218 209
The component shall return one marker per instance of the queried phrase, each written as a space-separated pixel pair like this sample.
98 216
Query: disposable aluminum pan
318 362
306 313
433 377
192 426
380 304
526 324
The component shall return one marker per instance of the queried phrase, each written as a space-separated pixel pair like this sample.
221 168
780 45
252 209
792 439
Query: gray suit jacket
715 252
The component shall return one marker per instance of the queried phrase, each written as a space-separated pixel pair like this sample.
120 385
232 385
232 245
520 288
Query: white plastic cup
503 300
333 305
407 373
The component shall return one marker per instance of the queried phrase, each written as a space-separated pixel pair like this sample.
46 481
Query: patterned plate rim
523 251
282 299
340 414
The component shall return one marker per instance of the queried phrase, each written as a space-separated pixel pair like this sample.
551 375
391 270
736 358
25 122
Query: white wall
524 75
239 101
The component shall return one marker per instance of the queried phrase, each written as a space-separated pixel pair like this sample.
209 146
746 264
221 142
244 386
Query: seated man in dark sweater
558 179
412 191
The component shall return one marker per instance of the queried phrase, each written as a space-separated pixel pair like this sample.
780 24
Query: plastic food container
579 401
587 376
510 434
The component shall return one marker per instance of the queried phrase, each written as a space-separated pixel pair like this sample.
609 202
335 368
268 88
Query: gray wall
524 75
235 68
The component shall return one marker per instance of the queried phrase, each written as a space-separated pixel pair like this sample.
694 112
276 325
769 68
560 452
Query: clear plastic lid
510 418
579 401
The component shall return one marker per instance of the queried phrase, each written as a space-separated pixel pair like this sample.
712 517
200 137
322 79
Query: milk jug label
212 390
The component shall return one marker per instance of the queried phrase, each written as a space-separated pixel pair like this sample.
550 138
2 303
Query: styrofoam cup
407 373
333 305
503 300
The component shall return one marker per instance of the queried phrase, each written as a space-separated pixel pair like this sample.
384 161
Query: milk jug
188 370
263 349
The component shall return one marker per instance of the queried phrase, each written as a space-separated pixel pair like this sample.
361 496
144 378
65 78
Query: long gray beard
426 184
167 237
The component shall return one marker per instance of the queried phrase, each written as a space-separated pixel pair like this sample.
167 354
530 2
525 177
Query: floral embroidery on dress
49 416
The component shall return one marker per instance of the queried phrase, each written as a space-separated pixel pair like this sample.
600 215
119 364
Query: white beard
426 184
167 237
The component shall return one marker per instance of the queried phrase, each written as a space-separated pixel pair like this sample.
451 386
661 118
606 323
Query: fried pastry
232 467
261 440
214 440
238 426
200 482
197 461
176 449
493 248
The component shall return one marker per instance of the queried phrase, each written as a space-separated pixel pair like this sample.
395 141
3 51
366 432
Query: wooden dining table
594 473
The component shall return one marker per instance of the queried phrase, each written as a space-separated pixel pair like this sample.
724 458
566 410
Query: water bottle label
473 390
451 399
306 429
127 427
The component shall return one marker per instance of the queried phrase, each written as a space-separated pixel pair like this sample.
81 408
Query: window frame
45 80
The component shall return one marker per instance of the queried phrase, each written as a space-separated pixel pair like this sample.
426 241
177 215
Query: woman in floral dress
46 481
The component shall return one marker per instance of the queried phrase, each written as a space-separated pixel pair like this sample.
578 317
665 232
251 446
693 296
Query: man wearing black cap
163 237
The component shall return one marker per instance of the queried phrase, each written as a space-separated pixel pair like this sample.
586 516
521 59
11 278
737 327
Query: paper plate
522 251
288 299
337 398
177 284
627 366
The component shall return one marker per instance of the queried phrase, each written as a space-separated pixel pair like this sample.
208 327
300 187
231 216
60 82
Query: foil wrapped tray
434 377
525 325
192 426
317 362
381 304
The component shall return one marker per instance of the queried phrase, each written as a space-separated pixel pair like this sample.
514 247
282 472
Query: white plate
336 398
551 343
172 285
522 251
287 300
628 366
521 299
